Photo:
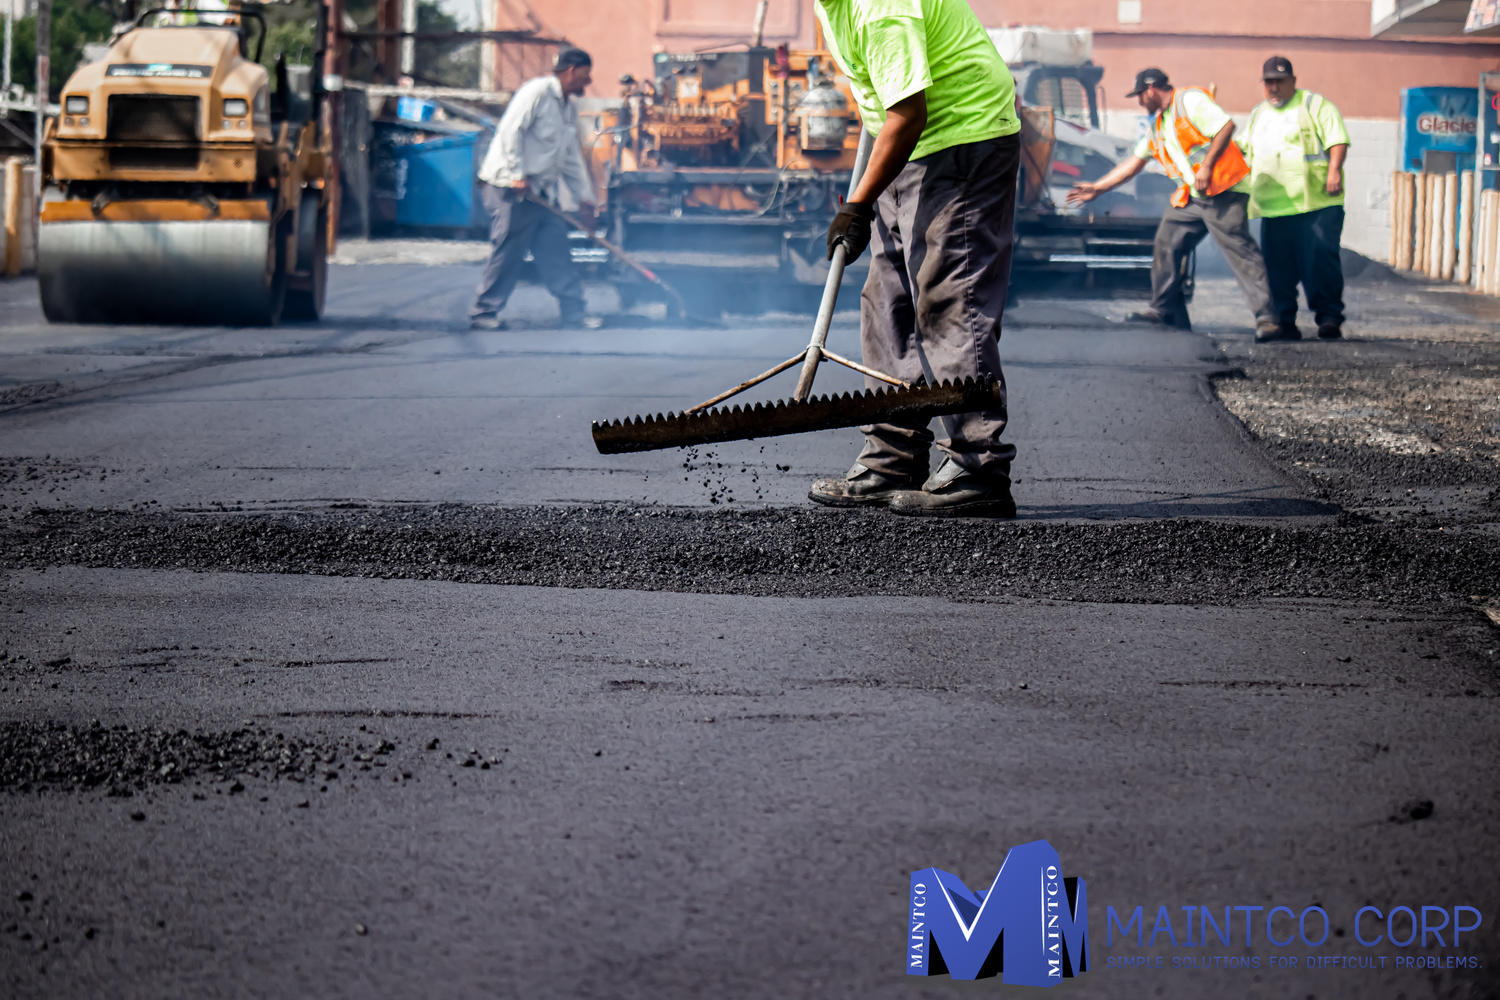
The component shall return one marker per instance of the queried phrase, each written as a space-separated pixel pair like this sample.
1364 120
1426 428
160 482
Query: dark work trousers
1182 229
517 225
933 302
1305 247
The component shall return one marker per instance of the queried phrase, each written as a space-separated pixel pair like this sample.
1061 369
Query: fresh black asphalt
333 663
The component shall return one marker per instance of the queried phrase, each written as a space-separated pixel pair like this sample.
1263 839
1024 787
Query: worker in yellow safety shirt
936 208
1296 142
1192 138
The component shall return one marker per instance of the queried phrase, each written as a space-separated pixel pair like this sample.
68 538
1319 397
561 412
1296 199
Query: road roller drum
160 272
179 187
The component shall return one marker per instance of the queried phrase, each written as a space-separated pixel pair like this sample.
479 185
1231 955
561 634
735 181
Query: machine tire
267 311
306 304
56 304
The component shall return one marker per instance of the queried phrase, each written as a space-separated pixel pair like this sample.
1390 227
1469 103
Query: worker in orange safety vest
1193 140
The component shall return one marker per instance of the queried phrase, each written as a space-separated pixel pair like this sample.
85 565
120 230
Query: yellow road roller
178 188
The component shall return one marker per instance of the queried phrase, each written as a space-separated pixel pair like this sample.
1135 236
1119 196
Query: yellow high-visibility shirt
891 49
1288 152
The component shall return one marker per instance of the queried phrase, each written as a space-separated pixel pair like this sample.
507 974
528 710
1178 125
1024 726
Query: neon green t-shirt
1288 152
891 49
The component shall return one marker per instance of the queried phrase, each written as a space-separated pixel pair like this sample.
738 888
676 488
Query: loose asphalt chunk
777 552
41 756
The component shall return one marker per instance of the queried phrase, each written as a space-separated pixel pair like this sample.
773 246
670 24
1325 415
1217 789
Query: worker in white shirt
536 156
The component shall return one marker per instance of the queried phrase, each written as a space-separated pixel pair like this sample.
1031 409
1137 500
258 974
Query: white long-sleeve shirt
537 140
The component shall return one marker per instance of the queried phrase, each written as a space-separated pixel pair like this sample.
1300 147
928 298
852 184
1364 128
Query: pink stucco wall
1222 42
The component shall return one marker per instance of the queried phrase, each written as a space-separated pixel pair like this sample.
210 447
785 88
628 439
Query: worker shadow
429 324
1210 506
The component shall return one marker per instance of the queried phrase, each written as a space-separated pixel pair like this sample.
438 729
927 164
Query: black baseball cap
1149 78
570 58
1277 68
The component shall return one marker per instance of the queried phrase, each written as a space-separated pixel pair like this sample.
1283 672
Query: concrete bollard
1429 238
15 217
1419 223
1481 262
29 217
1448 232
1398 216
1465 227
1492 245
1407 219
1487 248
1405 235
1436 209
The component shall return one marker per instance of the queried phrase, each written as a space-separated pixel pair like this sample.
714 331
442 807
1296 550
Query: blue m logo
1031 927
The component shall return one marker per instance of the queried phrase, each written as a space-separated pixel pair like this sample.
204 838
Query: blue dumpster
435 182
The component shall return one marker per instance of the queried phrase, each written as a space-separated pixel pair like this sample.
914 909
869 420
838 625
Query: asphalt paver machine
179 187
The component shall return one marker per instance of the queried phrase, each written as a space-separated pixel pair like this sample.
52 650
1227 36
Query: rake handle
830 300
836 265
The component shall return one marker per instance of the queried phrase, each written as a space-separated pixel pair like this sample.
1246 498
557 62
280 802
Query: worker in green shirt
938 202
1296 144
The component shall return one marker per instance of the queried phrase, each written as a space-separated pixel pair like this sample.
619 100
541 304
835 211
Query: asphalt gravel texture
41 756
1399 422
809 553
335 662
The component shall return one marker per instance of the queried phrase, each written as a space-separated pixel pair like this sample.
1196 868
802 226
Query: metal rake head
676 430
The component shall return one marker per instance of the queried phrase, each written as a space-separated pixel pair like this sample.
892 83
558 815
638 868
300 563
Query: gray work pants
1227 217
517 225
935 296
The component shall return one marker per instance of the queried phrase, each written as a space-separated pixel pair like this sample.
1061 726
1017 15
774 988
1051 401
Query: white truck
1058 88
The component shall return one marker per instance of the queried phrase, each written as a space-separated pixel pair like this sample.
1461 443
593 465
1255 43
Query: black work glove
851 227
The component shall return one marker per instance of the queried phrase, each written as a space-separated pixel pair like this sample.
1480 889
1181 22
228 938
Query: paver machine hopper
178 187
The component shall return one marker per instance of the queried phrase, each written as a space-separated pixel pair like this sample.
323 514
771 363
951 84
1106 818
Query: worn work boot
1154 318
1266 332
1330 331
487 321
860 487
1171 320
953 491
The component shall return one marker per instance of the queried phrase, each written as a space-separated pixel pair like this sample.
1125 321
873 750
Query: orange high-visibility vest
1228 171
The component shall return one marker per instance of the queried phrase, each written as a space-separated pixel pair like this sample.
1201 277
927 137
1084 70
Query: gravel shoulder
1398 423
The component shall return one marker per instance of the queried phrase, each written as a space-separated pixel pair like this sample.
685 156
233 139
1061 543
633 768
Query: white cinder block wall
1374 144
1373 148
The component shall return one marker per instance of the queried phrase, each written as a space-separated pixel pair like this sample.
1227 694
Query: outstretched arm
1089 190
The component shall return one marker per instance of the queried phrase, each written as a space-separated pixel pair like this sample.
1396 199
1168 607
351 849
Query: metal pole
489 51
408 44
333 82
831 286
43 74
10 17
